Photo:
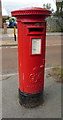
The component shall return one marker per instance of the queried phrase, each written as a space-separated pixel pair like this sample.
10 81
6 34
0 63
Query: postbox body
31 48
31 54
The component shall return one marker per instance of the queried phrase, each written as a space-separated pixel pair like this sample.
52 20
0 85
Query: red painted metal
31 26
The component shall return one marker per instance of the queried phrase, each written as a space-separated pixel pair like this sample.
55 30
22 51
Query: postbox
31 53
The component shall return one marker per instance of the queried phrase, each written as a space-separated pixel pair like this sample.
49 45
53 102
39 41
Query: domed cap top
31 11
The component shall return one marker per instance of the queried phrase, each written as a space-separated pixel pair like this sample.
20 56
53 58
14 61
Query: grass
56 73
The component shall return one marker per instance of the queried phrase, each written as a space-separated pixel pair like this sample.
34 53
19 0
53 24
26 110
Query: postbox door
33 63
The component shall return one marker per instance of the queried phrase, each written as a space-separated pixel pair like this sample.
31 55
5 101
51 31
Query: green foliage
59 12
5 18
48 6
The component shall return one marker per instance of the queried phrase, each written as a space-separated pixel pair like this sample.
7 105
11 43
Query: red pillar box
31 53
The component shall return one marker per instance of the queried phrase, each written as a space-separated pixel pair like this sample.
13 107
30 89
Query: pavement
7 39
10 107
51 107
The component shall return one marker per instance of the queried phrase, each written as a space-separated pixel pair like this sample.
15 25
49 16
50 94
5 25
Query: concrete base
30 100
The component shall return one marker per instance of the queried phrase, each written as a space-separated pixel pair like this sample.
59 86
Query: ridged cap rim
31 11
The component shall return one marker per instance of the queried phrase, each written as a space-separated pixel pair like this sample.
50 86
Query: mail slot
31 54
35 30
